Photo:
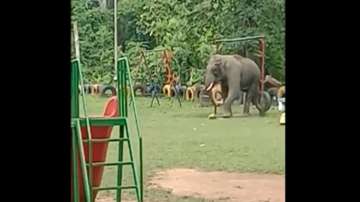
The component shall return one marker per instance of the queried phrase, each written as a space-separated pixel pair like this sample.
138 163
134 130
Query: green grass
172 137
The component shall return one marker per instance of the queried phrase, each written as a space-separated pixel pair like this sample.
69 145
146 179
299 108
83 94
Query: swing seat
99 149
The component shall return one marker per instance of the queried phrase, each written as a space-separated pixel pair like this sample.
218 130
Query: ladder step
113 188
107 140
104 121
96 164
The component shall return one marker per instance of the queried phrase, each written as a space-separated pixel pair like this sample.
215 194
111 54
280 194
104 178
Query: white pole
76 41
115 37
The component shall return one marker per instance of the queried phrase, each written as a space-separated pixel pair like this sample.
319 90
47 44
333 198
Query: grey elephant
236 74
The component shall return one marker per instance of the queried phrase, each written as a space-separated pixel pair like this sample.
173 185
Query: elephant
235 74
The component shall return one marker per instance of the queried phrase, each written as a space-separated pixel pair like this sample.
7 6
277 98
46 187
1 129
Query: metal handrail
137 127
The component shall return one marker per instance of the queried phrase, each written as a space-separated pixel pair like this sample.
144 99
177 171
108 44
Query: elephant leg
241 97
247 103
228 102
251 96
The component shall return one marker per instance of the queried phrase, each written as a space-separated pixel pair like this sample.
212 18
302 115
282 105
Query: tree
188 27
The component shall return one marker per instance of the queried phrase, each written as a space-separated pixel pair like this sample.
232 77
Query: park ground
183 147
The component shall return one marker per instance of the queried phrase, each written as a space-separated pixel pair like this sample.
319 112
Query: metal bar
155 50
111 121
132 98
73 124
74 90
121 129
120 94
262 64
79 70
76 40
124 112
124 88
106 140
97 164
75 165
137 130
141 171
115 37
113 188
82 163
120 97
239 39
132 165
120 159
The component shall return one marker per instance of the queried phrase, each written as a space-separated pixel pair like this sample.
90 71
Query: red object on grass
99 148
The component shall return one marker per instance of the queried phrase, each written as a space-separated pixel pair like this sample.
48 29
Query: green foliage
144 66
187 27
96 40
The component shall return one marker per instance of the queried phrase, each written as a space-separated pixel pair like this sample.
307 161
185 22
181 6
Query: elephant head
214 72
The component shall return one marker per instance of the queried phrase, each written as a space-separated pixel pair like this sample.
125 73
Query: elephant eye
215 71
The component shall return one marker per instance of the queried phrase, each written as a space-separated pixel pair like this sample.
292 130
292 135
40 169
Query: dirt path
223 186
106 198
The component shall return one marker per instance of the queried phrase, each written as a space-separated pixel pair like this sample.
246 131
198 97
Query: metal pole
76 40
86 182
239 39
138 133
120 103
75 182
78 71
115 37
262 63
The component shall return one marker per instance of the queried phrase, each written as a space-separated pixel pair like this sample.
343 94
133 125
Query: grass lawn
184 137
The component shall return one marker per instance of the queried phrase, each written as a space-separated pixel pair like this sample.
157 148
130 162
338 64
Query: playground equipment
170 85
281 100
142 71
146 89
265 97
100 89
167 59
91 135
95 132
271 85
190 93
152 89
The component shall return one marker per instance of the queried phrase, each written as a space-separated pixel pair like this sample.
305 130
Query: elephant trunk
209 81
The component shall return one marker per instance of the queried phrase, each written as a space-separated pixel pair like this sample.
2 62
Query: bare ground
246 187
108 198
